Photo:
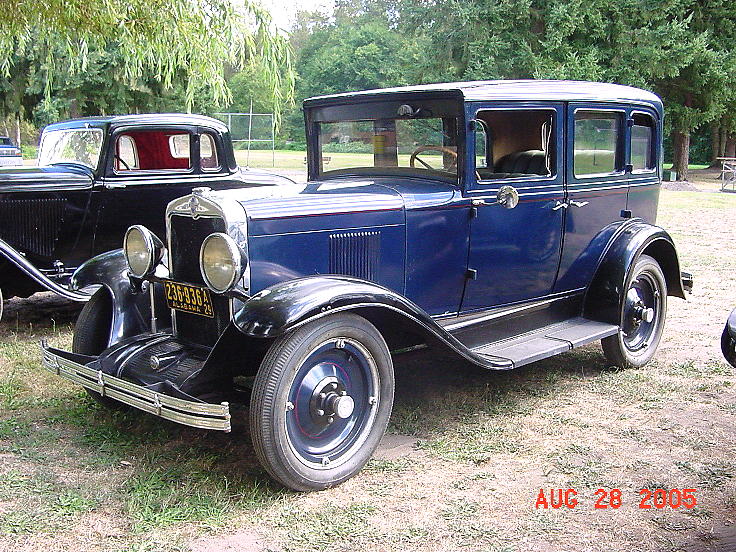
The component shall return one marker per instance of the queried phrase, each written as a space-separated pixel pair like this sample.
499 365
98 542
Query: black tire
92 334
305 444
636 342
728 347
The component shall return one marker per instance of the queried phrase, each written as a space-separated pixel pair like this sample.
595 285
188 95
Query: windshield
399 138
79 145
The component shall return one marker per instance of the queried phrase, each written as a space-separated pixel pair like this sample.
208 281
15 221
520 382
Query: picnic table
728 174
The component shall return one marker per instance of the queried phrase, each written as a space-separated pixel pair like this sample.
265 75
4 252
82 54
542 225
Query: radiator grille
32 225
356 254
187 235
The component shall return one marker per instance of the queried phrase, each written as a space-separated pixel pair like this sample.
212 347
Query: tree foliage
185 43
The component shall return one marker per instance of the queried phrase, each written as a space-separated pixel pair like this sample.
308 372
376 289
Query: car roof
529 90
141 119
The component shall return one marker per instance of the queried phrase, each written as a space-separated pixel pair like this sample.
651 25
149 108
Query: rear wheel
321 402
642 316
92 334
728 347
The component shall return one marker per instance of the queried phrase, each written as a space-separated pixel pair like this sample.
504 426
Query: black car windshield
418 138
80 146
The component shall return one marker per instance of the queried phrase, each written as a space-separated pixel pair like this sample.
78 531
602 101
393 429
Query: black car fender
605 293
131 303
731 324
285 306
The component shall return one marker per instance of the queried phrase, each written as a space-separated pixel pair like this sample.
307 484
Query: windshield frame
88 129
442 106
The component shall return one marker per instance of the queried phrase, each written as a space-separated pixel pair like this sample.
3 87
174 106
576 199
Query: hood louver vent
32 225
356 254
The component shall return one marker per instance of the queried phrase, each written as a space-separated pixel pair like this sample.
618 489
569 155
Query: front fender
283 307
131 307
15 257
605 294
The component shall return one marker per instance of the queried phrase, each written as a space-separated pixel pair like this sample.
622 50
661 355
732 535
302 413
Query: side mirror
507 197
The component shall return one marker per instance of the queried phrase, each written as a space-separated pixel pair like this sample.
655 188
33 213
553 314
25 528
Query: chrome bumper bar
190 413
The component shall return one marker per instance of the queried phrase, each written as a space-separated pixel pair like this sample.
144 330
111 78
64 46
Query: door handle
114 185
578 203
560 205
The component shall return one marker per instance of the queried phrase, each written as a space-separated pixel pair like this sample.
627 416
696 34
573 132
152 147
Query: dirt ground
461 468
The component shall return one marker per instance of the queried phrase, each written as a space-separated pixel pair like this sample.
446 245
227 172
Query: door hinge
471 274
473 212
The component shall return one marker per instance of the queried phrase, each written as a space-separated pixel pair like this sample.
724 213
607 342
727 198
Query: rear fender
605 294
131 303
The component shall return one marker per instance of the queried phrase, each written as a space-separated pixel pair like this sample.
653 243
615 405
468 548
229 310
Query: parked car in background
95 178
728 339
10 154
502 221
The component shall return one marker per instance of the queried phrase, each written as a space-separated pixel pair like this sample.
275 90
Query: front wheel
728 347
642 316
321 402
92 334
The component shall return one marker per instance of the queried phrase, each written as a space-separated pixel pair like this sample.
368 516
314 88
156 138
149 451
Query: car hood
23 178
313 199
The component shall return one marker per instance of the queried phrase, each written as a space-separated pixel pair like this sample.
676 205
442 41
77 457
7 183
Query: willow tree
190 43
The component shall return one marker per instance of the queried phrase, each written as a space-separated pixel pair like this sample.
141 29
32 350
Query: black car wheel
642 316
321 402
92 334
728 347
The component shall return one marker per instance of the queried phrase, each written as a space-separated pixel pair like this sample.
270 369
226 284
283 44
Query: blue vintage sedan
504 221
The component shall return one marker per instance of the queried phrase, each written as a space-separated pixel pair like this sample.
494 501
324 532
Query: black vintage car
96 177
504 222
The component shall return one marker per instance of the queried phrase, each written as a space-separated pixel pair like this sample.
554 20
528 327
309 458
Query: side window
179 146
152 150
597 143
126 155
515 143
481 145
643 157
208 153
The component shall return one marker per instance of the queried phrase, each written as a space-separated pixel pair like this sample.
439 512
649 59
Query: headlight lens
143 250
221 261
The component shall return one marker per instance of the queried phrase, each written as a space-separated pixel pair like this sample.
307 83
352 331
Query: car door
514 253
147 168
597 185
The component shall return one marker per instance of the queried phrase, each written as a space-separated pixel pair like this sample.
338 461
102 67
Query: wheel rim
332 403
641 315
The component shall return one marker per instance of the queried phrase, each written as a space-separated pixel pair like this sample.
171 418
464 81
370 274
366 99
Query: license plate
186 298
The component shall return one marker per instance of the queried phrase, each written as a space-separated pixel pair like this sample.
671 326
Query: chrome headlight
221 261
143 250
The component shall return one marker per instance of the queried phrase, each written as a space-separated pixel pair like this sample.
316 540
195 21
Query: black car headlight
143 250
222 262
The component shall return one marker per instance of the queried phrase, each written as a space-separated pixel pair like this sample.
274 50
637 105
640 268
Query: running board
548 341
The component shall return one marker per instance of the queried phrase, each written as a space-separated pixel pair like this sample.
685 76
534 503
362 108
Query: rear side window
208 153
643 156
152 150
597 143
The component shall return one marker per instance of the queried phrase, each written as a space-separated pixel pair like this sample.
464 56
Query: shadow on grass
175 474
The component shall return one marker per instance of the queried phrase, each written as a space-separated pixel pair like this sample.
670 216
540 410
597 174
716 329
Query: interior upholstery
523 162
154 151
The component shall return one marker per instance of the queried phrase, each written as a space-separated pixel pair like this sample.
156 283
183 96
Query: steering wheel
120 160
444 149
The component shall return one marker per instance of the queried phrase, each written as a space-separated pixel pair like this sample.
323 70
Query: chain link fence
255 130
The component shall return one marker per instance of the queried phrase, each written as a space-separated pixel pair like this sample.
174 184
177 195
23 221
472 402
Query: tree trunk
722 142
730 150
715 146
681 153
17 130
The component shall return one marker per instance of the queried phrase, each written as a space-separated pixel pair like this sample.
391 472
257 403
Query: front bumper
195 414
